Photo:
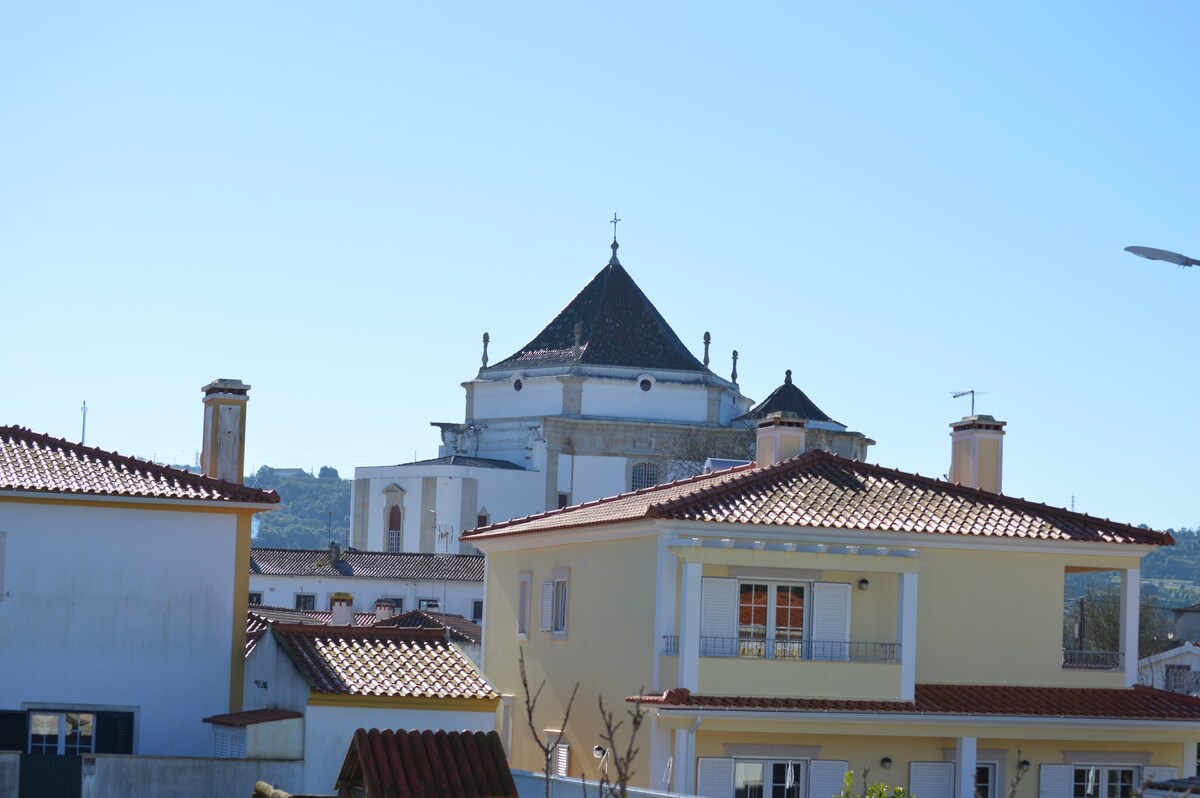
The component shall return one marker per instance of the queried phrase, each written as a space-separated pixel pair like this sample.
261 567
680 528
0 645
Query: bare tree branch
545 744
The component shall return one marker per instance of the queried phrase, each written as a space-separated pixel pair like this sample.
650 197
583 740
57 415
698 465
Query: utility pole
1082 605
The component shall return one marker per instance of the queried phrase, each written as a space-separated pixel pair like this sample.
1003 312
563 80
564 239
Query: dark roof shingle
38 463
620 327
787 398
367 564
819 489
1136 703
427 764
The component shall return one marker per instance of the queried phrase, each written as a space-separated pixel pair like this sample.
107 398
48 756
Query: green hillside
304 519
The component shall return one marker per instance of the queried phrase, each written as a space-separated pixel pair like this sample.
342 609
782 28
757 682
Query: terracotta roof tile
367 564
1135 703
39 463
427 764
819 489
378 661
461 629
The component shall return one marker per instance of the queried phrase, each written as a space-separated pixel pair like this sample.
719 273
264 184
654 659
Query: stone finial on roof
733 376
614 246
486 338
707 341
787 377
578 337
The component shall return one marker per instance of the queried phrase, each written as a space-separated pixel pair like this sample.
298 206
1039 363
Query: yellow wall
609 650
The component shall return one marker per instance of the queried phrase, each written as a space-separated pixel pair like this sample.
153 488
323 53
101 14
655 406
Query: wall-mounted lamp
886 762
598 751
863 584
1023 765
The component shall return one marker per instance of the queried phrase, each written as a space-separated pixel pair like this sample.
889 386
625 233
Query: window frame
252 595
560 605
429 604
524 602
1104 773
309 598
477 610
644 469
61 741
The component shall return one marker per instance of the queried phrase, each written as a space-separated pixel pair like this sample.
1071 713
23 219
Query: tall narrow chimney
224 450
384 609
780 436
977 452
342 605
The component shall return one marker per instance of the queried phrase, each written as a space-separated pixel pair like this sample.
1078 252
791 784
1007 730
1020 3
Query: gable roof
820 489
379 661
427 764
367 564
461 629
620 327
36 463
787 398
1136 703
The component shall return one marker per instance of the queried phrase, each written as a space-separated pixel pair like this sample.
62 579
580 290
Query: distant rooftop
367 564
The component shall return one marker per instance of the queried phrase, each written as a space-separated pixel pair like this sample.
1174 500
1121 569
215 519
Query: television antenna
971 392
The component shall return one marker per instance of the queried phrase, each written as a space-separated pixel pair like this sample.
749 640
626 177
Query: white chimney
780 436
384 609
342 605
223 454
977 452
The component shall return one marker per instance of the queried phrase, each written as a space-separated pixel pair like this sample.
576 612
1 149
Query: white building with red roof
123 592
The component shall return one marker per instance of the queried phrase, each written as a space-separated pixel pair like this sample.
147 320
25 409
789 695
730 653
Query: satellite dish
1162 254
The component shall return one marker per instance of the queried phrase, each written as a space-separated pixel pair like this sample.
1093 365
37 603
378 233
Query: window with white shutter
831 621
718 617
562 759
826 777
547 604
714 776
1055 781
933 779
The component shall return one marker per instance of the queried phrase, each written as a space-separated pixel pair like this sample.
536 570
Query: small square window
306 601
255 598
564 500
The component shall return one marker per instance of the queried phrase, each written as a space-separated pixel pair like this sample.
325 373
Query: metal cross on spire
614 224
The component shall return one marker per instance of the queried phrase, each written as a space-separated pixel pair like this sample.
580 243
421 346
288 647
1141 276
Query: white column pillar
1130 604
665 598
683 764
906 630
660 754
1189 759
689 633
965 751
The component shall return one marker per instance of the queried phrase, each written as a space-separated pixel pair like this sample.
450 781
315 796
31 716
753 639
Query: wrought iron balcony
1091 660
789 649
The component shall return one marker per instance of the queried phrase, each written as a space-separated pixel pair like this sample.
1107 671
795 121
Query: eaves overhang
214 505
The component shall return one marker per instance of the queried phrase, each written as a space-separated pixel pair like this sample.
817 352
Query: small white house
1177 669
123 591
306 579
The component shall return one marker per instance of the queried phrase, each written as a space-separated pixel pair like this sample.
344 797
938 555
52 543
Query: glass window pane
43 733
785 779
79 732
1087 783
748 780
1120 783
789 621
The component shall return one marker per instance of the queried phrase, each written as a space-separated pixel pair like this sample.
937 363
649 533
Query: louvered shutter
14 730
714 776
1157 773
547 605
1056 781
826 776
831 621
718 617
562 759
114 732
933 779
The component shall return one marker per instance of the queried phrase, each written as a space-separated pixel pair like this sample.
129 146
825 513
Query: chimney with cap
342 605
780 436
385 608
223 454
977 452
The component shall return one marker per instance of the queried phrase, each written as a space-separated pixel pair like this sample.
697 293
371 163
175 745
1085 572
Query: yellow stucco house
790 620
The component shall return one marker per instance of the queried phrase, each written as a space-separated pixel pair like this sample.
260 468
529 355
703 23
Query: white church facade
606 399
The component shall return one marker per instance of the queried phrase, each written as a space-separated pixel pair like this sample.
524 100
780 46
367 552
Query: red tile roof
251 716
819 489
378 661
461 629
367 564
427 764
1136 703
39 463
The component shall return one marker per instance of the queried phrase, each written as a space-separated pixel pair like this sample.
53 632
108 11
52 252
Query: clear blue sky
332 202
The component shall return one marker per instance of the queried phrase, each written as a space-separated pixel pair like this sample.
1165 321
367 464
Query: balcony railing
1091 660
789 649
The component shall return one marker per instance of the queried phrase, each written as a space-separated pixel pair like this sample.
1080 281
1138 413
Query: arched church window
644 475
395 541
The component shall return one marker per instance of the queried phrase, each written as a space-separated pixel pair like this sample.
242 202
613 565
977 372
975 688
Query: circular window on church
645 385
646 381
518 385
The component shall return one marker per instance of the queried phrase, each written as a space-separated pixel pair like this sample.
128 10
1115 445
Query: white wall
285 687
664 402
122 609
597 477
328 731
539 396
165 777
281 591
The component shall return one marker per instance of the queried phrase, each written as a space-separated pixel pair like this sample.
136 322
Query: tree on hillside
313 510
327 472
